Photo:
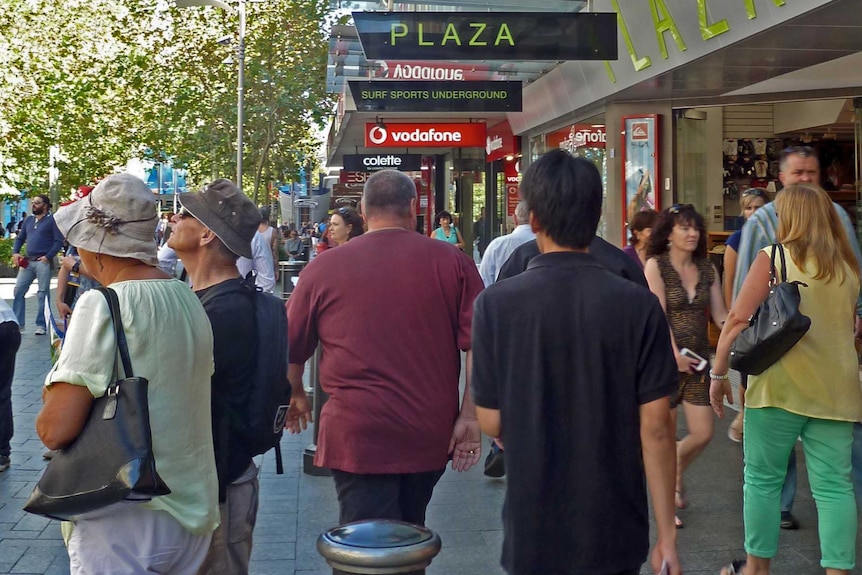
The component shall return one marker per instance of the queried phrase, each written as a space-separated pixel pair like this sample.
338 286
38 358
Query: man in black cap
43 241
214 228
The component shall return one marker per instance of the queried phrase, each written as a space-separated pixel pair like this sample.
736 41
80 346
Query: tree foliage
109 80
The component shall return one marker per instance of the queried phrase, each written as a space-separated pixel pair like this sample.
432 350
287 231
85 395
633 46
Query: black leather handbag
775 327
111 461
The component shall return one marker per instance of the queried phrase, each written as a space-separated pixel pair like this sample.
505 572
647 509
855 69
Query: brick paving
295 508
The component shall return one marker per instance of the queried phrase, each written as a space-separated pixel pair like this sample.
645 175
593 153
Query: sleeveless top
439 234
819 376
688 319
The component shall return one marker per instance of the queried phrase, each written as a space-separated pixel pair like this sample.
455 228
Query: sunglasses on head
343 211
677 208
804 151
759 192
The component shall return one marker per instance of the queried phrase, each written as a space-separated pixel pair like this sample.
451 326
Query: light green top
170 344
819 376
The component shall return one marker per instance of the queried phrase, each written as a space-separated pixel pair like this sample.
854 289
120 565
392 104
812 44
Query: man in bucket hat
214 227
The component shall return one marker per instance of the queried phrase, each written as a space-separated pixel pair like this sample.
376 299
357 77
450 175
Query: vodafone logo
426 135
493 144
377 135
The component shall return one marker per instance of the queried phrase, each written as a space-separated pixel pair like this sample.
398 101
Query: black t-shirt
230 309
568 352
610 256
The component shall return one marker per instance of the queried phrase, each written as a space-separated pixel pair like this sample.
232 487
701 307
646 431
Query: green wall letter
664 23
751 11
638 63
708 30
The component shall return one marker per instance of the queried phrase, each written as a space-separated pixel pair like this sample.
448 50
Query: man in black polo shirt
572 367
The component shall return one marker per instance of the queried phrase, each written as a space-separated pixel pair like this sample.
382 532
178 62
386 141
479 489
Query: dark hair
388 191
677 214
351 217
443 214
640 222
45 200
264 214
564 194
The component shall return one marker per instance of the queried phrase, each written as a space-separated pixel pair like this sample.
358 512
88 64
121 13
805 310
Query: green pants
770 435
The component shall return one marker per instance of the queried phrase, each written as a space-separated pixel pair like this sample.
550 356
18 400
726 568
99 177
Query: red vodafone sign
424 135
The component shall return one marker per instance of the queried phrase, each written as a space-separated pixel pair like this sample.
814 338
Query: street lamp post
240 84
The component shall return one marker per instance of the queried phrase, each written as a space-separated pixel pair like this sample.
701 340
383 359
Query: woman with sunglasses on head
446 230
812 392
686 283
344 225
752 200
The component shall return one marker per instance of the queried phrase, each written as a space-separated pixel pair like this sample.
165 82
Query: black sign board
424 96
374 162
487 35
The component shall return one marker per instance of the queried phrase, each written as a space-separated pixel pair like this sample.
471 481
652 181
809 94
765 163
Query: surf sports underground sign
423 96
487 35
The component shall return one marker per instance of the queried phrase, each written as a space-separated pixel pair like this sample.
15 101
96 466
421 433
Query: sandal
678 522
735 568
679 499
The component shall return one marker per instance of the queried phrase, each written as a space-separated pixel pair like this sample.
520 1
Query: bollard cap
379 546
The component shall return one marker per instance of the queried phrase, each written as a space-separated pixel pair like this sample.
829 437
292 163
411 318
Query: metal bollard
379 547
318 398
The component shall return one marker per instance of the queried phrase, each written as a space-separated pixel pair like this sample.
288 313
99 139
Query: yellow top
819 376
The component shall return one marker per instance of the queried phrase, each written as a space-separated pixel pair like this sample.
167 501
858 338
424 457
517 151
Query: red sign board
353 178
577 136
424 135
511 171
443 71
500 142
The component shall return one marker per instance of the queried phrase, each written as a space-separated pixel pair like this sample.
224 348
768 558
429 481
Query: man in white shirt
501 248
261 263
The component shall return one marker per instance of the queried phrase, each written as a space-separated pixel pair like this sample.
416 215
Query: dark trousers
10 341
399 496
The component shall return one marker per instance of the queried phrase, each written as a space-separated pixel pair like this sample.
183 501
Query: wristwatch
76 266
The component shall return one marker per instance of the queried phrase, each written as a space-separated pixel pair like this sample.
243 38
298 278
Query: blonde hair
809 226
748 198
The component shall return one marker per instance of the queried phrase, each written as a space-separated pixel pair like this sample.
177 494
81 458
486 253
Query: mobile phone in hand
665 570
685 352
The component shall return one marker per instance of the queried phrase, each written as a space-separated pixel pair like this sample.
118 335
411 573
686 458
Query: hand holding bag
775 327
112 459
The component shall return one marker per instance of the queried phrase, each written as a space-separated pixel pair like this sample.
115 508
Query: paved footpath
465 510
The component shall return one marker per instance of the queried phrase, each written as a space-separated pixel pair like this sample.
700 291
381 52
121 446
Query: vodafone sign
424 135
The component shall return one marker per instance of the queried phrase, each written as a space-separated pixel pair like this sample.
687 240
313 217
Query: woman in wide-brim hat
170 344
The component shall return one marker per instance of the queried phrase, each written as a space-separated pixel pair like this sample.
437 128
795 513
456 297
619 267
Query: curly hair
640 222
677 214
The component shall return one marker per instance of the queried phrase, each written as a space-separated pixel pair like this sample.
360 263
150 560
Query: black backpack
261 421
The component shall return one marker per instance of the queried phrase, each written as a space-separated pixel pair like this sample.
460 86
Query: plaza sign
428 96
374 162
424 135
487 35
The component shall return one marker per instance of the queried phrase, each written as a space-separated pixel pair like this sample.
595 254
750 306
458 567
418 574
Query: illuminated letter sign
374 162
424 135
423 96
487 35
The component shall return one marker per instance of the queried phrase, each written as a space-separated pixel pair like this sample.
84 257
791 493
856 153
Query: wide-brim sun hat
118 218
225 210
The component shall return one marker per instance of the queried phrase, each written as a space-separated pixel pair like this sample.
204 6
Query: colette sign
374 162
424 135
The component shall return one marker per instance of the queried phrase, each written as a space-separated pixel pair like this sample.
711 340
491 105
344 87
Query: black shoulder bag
112 459
775 327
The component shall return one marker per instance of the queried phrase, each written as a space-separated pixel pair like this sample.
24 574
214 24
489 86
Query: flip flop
678 522
734 568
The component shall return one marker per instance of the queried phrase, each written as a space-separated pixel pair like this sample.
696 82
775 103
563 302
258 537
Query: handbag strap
119 332
773 273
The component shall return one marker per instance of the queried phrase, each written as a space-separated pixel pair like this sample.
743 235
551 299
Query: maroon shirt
392 309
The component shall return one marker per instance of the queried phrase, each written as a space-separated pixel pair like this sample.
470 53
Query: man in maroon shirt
392 310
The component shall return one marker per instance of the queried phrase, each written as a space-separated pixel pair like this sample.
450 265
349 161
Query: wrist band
713 375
